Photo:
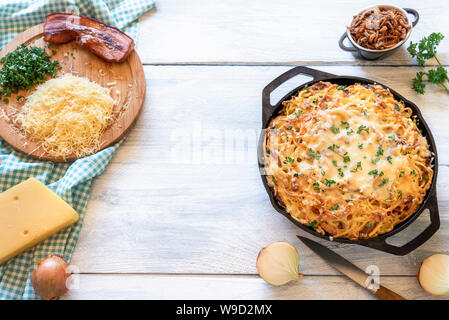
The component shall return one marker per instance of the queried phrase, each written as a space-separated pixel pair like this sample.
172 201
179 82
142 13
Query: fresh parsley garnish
25 67
328 183
359 167
340 172
389 159
380 151
334 207
335 163
289 160
375 160
424 50
344 124
333 147
384 182
345 156
392 138
362 128
297 113
313 224
335 129
373 172
360 145
313 154
401 174
418 83
317 185
341 87
400 194
274 180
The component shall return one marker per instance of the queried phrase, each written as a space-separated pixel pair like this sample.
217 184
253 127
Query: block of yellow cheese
30 213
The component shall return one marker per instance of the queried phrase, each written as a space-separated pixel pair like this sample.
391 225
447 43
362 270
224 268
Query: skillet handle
267 107
425 235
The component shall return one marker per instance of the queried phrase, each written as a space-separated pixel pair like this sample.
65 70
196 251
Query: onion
278 263
433 276
51 278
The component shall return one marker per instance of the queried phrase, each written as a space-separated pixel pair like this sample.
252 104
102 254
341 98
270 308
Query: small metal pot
371 54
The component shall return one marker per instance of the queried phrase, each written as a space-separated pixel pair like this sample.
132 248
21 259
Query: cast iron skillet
430 201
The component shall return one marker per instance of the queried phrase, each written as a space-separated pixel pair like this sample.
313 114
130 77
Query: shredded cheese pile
66 116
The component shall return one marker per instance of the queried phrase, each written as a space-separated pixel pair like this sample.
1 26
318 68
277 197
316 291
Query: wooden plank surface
158 210
181 213
185 287
270 32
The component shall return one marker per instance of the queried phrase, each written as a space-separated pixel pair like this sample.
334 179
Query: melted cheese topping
67 116
349 161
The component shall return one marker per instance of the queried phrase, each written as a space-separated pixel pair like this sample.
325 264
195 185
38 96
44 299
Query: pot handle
267 107
414 13
425 235
342 45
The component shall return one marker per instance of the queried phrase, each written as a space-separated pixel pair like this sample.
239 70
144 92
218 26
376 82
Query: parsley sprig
424 50
345 156
329 183
313 224
313 154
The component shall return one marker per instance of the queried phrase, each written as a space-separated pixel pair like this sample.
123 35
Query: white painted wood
269 32
153 213
159 210
184 287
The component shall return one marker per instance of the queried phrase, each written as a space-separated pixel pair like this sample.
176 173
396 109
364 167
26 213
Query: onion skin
51 278
434 268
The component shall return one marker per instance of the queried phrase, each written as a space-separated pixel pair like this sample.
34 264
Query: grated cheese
67 116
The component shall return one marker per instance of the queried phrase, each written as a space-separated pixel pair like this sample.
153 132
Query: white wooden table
170 223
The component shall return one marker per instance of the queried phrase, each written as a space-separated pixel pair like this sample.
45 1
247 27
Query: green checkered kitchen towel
71 181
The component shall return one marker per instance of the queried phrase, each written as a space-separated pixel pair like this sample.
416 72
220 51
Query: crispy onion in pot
51 279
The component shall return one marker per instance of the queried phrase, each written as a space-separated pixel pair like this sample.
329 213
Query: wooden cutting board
125 80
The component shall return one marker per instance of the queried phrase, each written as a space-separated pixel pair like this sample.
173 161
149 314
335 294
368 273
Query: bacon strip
107 42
